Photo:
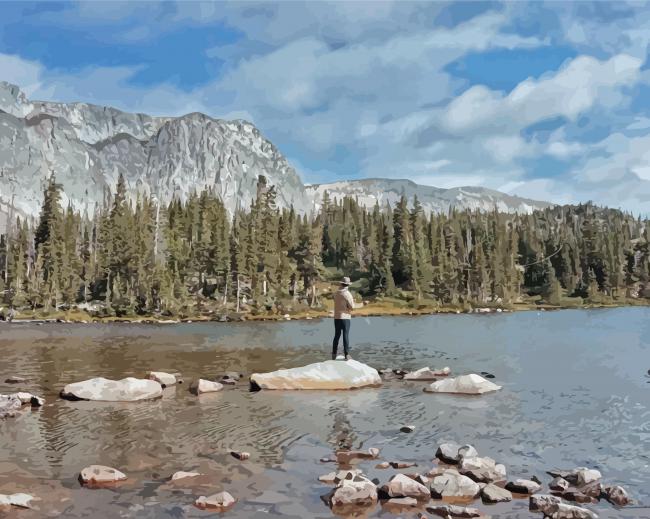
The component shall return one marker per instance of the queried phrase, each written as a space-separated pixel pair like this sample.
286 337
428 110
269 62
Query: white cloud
580 84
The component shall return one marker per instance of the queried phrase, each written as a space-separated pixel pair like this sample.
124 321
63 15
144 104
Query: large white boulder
331 374
472 384
105 390
452 484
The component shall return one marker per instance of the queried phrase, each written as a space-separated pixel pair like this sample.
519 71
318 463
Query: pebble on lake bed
180 475
200 386
407 428
19 500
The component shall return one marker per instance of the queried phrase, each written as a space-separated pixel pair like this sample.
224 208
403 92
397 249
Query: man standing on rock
343 306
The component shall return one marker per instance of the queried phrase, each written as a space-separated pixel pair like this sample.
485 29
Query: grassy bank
387 306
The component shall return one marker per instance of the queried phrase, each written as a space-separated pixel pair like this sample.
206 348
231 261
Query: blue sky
545 100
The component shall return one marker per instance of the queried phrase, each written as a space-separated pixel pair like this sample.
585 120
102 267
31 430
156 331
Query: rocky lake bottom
575 393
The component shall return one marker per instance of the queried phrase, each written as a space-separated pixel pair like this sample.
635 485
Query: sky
549 101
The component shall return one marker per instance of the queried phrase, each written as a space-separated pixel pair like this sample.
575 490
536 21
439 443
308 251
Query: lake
576 392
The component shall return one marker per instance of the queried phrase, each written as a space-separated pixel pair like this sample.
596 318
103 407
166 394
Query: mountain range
88 146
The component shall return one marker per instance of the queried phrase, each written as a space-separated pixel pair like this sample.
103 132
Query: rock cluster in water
462 475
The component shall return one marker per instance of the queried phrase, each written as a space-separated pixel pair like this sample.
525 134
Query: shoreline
370 310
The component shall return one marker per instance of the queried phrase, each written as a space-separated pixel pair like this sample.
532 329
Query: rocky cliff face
88 146
381 190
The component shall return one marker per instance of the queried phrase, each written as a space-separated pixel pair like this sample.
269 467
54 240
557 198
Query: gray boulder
494 494
448 452
523 486
452 484
558 484
482 470
401 485
357 491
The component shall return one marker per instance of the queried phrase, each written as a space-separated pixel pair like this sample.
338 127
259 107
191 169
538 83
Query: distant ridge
89 146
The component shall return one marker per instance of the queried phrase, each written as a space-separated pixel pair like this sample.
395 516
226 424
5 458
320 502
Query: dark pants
341 326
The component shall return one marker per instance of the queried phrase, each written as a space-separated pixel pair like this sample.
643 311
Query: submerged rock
348 456
454 511
181 475
200 386
164 379
427 374
219 502
105 390
472 384
100 475
330 374
407 428
15 380
403 486
18 500
452 484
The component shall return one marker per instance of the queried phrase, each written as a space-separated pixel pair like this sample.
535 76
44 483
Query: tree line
135 257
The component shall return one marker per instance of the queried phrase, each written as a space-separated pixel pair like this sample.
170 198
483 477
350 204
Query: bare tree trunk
225 291
237 293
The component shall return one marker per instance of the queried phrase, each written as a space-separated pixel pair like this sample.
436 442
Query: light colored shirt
343 303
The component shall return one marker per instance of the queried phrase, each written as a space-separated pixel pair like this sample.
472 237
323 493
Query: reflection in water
575 393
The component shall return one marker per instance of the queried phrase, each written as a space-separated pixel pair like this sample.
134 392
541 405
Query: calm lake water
576 392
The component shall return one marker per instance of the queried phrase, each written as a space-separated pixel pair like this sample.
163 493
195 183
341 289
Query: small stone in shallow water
219 502
454 511
100 475
407 428
180 475
382 465
240 455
